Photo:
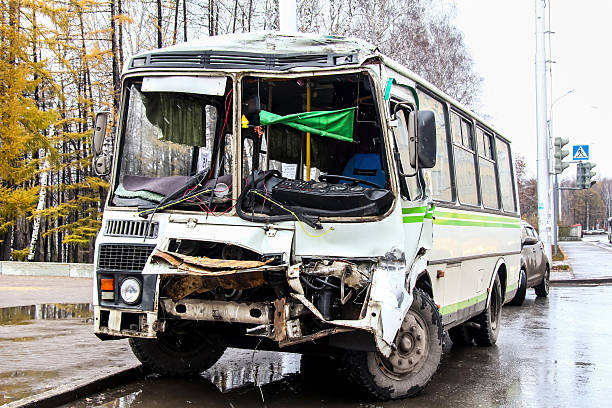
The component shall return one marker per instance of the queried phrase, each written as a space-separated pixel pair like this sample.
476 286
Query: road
551 353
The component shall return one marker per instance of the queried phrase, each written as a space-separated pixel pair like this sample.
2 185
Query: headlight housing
130 290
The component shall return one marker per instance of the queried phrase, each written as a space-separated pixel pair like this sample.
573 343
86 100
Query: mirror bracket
100 159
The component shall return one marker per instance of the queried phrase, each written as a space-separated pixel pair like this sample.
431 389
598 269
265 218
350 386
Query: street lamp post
544 170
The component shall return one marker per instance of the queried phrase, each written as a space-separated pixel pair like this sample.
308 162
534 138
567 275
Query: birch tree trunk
159 24
185 20
42 198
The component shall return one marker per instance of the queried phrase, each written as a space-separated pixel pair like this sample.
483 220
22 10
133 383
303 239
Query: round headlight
130 290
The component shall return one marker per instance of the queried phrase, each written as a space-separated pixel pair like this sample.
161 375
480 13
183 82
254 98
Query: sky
500 35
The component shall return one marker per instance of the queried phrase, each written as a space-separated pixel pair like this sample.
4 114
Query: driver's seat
367 167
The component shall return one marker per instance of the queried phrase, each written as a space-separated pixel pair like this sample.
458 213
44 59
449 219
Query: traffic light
560 154
589 175
584 175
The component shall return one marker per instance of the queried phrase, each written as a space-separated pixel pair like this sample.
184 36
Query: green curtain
181 118
337 124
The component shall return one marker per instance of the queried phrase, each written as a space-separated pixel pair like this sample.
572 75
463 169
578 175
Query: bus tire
414 362
519 297
490 320
543 288
177 354
461 335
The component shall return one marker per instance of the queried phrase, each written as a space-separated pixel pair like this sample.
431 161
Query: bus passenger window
505 175
441 176
488 183
465 167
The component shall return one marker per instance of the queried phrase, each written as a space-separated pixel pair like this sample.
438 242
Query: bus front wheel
415 360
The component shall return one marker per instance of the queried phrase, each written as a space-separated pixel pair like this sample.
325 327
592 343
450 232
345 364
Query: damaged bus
300 193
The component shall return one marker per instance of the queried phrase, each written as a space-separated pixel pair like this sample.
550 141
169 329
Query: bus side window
441 175
465 166
504 166
486 162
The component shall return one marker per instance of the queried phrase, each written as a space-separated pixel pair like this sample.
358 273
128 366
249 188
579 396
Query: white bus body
372 273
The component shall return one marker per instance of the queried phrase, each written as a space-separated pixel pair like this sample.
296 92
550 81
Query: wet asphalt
551 352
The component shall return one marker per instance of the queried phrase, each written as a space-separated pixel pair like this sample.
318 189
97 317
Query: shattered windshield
168 138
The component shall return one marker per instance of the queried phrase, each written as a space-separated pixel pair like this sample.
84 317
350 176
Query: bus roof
278 51
265 50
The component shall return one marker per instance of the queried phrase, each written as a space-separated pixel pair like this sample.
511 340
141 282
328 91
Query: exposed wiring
172 203
309 284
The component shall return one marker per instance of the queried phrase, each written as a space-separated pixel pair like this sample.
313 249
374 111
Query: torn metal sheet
201 274
204 264
389 290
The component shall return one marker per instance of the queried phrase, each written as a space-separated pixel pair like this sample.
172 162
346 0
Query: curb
70 392
66 270
589 281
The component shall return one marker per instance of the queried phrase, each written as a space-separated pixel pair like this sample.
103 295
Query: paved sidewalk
47 341
591 262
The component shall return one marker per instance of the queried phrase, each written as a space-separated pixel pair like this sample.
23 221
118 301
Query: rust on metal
280 320
203 274
181 286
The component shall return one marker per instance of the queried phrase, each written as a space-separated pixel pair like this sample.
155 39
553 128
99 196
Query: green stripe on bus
414 218
463 304
511 287
413 210
468 223
477 217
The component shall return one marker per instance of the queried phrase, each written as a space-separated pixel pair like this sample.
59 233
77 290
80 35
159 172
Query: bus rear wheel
415 360
490 320
178 352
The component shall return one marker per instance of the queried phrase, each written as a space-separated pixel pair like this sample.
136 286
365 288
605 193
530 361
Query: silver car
535 266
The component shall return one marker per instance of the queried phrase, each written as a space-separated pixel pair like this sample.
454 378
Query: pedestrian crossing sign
580 152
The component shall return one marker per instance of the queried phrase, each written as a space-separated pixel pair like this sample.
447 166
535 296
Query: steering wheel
354 181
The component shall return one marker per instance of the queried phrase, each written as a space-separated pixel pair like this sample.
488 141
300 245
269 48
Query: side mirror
426 131
529 241
97 142
412 133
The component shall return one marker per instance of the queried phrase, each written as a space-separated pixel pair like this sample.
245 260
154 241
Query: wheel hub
411 348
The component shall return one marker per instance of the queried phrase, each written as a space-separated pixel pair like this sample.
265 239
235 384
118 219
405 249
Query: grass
560 255
561 268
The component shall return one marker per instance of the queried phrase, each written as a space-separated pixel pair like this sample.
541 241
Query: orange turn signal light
107 284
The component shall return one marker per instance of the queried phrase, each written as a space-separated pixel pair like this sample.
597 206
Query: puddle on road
48 311
16 385
232 380
263 368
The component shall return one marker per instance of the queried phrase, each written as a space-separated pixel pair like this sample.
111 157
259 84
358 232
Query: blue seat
365 166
